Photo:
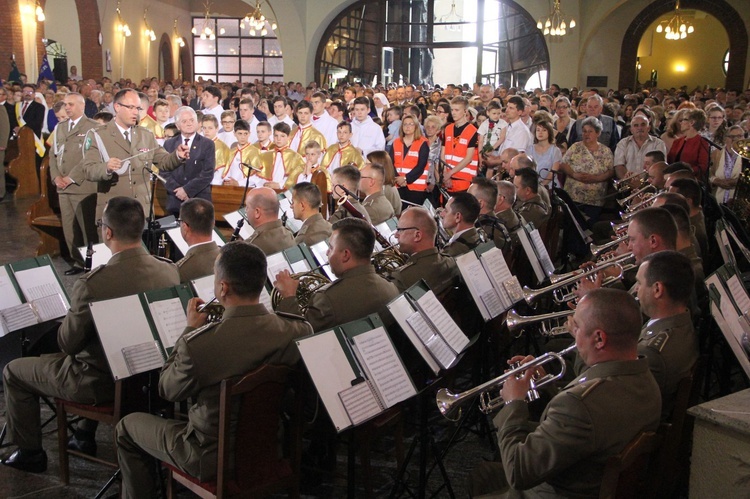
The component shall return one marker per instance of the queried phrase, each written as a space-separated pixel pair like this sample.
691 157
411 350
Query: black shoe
83 444
73 271
32 461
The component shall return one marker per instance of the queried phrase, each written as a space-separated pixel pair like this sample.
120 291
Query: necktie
127 135
186 141
70 125
25 106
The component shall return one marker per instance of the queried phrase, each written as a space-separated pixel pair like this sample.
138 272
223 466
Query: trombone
450 404
552 324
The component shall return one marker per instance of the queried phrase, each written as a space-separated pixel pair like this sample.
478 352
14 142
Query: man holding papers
357 292
81 373
416 237
247 337
197 228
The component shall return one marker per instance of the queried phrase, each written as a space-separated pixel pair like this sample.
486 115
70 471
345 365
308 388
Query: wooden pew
23 167
44 219
226 199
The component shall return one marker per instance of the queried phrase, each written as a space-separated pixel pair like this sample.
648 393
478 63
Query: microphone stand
247 181
152 224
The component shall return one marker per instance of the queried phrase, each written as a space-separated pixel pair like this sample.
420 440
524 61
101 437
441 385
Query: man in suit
262 208
76 194
192 179
117 154
592 419
357 292
9 107
197 228
306 202
81 373
247 337
28 112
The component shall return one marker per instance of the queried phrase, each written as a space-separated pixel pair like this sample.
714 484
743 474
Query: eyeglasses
401 229
101 223
130 106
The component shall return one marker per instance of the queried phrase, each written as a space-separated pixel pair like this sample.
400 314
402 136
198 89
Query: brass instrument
596 249
236 233
740 202
450 404
89 262
618 227
642 190
309 283
552 324
388 259
623 184
562 289
213 308
632 210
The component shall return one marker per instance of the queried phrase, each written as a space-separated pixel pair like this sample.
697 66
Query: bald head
420 229
656 174
262 206
75 105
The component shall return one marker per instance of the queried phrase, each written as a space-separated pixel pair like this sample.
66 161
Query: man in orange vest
460 149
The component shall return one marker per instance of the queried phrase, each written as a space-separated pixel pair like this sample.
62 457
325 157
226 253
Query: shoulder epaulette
658 341
161 258
585 388
88 275
197 332
182 261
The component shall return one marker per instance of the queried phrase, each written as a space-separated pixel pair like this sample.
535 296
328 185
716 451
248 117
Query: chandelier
148 33
256 21
555 24
206 32
122 26
178 40
451 20
677 27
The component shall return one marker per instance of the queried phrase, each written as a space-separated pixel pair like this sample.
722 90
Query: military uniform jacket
128 272
465 243
378 207
591 419
699 226
494 228
671 347
134 183
313 230
534 210
357 293
439 271
272 237
247 337
509 219
198 262
66 156
342 213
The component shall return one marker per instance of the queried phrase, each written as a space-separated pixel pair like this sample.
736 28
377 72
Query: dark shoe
32 461
73 271
83 444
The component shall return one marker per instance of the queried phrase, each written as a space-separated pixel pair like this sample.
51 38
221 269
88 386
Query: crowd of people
485 157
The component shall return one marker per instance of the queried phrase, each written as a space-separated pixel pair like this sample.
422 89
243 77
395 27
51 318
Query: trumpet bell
742 147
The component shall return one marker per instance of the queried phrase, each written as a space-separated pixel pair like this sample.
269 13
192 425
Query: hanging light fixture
677 27
178 40
121 26
206 32
555 24
33 9
451 20
255 21
148 32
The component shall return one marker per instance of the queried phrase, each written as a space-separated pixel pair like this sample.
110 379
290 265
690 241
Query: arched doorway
166 62
722 11
185 69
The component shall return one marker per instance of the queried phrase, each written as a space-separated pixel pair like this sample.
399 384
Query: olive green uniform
463 243
81 372
198 262
533 210
272 237
341 212
378 207
495 230
313 230
246 338
439 271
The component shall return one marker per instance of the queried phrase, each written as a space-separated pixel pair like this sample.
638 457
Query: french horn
309 283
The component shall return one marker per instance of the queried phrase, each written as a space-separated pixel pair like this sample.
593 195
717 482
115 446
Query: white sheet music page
360 402
433 341
739 293
116 334
300 266
402 310
499 273
384 366
18 317
234 217
541 252
276 263
204 287
265 299
434 311
101 255
40 282
8 295
528 249
331 372
143 357
50 307
170 320
479 285
320 252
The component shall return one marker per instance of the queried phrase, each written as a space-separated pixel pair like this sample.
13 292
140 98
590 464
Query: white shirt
367 136
326 124
455 236
518 137
629 154
227 137
216 111
189 140
273 120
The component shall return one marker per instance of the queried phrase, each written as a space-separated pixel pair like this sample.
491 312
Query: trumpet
632 210
309 283
596 249
624 183
562 288
213 308
642 190
552 324
618 227
450 404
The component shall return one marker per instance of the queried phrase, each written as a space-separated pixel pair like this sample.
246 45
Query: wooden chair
23 167
254 447
624 472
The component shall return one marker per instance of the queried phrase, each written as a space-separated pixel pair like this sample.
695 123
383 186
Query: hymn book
356 370
155 321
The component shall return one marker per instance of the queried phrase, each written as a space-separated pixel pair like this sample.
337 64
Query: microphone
155 172
252 167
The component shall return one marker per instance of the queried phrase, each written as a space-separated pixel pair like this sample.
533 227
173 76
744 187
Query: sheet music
528 249
441 351
541 252
331 372
101 255
420 326
320 252
276 263
360 402
18 317
401 310
143 357
170 320
300 266
234 217
265 298
385 230
176 236
479 285
8 295
497 269
434 311
50 307
40 282
739 293
434 342
204 287
384 366
116 334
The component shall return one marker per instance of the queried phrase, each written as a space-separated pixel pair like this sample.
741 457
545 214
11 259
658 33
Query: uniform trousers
77 212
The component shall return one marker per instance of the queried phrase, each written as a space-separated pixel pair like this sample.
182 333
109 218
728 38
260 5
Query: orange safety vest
405 164
456 148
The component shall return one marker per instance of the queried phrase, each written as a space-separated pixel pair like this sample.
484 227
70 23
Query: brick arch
91 51
721 10
166 60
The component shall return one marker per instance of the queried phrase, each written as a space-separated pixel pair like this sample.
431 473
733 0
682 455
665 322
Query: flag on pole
45 73
15 74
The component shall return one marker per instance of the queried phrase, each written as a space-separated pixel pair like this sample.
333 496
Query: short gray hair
593 122
507 190
182 110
